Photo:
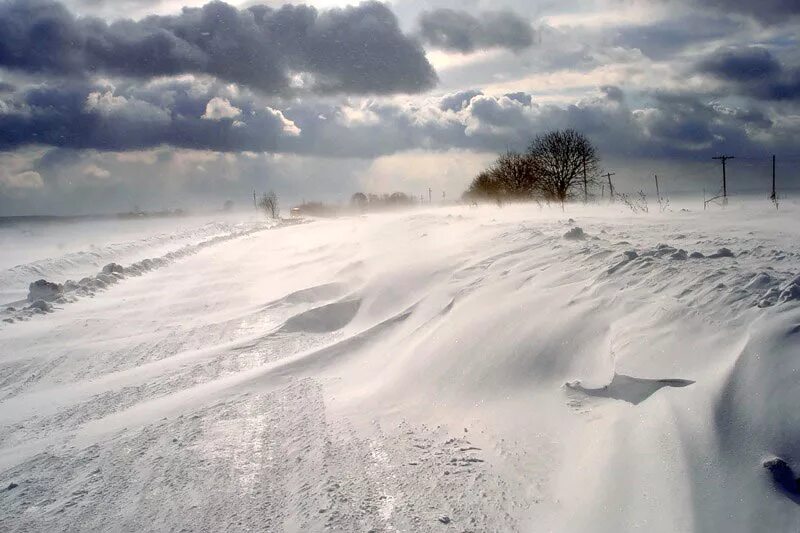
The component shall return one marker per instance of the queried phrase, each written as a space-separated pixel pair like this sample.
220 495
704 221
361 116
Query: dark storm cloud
460 31
769 11
742 64
753 71
174 113
186 114
613 93
357 49
663 39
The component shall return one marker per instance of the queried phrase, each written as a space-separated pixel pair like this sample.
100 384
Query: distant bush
557 166
269 204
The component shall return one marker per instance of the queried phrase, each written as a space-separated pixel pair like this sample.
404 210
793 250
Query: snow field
469 369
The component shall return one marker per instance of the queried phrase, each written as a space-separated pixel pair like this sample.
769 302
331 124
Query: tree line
558 166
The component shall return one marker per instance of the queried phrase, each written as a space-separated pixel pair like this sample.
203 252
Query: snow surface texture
450 370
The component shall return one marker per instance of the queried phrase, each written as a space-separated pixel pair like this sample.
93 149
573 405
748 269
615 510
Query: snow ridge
44 296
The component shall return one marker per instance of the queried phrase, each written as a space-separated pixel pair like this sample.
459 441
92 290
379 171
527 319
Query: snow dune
455 369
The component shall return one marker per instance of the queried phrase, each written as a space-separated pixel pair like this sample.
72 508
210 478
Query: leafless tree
359 201
565 162
486 186
269 203
511 177
516 173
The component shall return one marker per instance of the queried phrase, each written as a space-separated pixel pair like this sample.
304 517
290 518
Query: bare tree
516 173
511 177
269 203
359 201
486 186
565 162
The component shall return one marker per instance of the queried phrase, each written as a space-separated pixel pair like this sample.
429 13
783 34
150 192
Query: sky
107 106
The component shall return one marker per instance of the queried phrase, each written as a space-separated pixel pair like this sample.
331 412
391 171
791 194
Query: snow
464 369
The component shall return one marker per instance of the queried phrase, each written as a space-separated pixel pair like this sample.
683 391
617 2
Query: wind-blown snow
458 369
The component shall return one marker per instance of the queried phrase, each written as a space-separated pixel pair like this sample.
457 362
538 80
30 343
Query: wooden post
610 186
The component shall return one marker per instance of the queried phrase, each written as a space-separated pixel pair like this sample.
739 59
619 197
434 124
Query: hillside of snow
456 369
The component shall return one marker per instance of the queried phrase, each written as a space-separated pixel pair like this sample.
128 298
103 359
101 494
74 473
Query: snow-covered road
454 369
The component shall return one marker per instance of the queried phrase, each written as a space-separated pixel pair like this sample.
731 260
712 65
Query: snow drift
475 369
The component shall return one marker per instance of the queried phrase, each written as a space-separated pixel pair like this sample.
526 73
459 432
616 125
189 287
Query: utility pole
658 195
255 204
585 183
774 196
724 159
430 198
610 185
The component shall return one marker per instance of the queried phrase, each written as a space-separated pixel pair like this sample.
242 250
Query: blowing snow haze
416 266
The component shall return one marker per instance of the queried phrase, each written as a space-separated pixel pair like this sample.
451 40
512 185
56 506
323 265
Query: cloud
753 71
130 109
219 109
613 93
662 123
742 64
460 31
662 39
24 180
767 11
287 126
358 50
458 100
96 172
131 118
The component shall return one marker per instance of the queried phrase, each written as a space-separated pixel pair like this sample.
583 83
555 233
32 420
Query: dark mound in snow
44 290
575 234
40 306
113 268
722 252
